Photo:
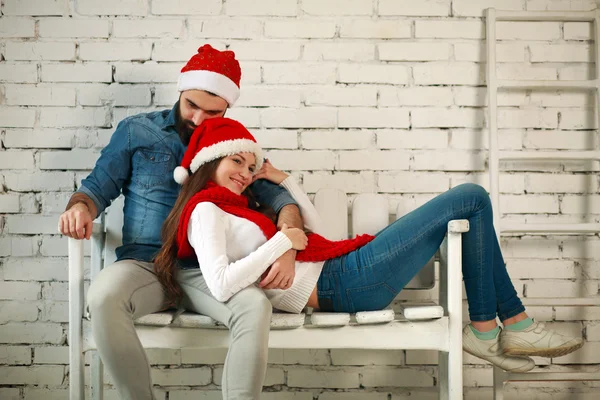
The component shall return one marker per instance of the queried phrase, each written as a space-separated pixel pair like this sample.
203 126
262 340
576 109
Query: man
139 162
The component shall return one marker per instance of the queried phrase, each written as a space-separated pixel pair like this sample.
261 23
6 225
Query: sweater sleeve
207 233
311 218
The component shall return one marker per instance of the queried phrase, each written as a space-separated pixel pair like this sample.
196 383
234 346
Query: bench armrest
77 302
451 278
75 337
458 226
76 268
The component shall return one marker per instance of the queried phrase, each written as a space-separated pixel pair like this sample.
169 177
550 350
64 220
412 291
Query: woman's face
235 172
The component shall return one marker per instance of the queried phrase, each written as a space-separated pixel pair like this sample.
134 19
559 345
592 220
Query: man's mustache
186 129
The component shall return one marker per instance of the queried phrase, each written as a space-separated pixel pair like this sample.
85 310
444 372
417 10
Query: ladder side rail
492 83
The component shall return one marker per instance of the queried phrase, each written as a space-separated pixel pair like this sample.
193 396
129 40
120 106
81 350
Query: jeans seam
411 241
482 317
480 300
364 288
512 312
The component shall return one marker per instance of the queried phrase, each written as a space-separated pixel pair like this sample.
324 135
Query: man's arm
290 215
79 197
272 195
100 187
112 169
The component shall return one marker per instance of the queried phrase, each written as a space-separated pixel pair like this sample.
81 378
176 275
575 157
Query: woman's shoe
490 350
537 340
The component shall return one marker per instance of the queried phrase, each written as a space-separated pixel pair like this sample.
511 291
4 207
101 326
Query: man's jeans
370 278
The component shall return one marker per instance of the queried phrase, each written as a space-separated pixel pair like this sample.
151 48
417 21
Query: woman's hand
296 236
270 173
281 274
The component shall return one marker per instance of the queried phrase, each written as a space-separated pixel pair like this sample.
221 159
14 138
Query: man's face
194 107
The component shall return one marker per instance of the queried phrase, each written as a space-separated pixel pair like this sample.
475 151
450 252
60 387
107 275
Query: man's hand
281 274
76 222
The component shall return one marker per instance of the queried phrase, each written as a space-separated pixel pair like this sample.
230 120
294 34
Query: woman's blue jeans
370 278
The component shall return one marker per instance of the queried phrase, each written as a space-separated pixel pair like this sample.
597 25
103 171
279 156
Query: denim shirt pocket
151 167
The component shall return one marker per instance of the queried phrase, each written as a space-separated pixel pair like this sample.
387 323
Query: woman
216 223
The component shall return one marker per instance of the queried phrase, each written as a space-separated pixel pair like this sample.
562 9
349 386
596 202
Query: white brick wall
88 72
154 28
17 28
36 7
412 8
376 96
68 28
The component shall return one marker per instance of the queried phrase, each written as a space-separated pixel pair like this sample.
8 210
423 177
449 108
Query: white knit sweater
233 252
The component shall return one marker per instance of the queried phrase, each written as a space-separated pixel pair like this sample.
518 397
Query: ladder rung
545 15
554 376
549 155
549 228
526 84
561 301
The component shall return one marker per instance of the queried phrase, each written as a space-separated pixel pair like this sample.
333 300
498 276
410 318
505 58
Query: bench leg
97 377
97 367
499 377
443 375
450 375
451 362
76 376
76 362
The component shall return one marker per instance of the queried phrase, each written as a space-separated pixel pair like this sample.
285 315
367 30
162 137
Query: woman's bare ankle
517 318
484 326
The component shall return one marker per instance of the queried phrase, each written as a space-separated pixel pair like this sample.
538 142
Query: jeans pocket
325 299
370 298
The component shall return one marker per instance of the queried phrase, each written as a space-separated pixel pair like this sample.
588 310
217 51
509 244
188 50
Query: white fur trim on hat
180 175
227 148
210 81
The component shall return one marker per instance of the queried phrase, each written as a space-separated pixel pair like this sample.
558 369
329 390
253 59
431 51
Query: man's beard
185 128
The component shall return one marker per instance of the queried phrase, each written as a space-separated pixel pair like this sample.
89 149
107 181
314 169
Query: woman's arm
312 220
282 272
207 235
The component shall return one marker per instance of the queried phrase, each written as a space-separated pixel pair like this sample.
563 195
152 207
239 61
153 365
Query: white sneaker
490 350
537 340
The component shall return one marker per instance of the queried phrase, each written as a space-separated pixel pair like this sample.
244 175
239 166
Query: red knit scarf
318 248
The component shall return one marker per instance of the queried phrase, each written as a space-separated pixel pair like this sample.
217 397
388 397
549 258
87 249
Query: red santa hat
215 138
212 70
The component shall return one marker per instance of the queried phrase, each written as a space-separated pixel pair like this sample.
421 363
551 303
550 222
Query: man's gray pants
129 289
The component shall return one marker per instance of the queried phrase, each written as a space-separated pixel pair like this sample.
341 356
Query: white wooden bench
432 327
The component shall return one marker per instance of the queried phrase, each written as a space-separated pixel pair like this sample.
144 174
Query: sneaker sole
508 370
553 352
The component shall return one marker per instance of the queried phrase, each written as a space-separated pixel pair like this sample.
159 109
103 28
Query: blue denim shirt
139 161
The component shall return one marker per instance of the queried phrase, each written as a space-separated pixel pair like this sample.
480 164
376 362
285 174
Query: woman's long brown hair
165 263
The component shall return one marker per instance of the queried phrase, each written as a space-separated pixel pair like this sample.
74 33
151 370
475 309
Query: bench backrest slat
370 214
332 205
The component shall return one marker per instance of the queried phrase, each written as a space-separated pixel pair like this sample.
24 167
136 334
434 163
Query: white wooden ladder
495 156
